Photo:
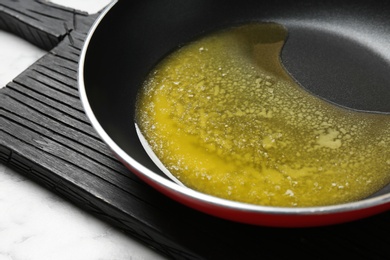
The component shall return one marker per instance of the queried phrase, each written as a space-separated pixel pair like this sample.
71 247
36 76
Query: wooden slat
17 16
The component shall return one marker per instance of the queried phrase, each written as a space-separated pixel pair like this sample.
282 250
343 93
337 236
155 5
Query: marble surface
35 223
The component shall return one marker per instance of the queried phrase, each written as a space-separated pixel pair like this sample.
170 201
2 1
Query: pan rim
193 194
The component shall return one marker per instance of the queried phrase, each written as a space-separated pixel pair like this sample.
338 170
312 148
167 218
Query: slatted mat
46 136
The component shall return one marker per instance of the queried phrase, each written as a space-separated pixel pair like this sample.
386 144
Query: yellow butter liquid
225 118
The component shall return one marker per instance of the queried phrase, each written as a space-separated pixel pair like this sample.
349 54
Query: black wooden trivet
45 135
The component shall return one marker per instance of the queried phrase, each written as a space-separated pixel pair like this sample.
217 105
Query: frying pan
337 50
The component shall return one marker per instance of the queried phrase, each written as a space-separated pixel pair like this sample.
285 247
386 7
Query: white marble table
35 223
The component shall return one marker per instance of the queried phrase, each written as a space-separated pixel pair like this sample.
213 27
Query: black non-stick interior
337 50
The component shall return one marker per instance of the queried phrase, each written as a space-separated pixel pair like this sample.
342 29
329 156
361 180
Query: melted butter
225 118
